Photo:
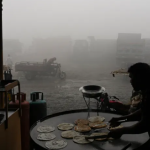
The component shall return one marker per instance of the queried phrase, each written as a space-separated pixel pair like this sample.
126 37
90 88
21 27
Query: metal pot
92 91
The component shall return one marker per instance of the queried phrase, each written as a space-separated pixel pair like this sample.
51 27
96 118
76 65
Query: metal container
92 91
38 107
8 76
25 125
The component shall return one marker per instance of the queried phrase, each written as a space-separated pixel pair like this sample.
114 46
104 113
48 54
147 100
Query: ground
65 95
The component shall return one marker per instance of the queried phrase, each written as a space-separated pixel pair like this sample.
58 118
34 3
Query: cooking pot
92 91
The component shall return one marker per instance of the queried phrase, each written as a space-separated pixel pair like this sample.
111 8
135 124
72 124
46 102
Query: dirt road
65 95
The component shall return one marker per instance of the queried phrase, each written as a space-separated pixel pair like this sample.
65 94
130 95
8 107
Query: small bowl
92 91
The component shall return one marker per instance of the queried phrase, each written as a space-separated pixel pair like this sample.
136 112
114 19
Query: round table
69 117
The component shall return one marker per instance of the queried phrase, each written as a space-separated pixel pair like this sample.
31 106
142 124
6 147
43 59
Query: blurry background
90 38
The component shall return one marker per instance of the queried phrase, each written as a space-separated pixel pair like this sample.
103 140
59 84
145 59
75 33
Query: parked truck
45 68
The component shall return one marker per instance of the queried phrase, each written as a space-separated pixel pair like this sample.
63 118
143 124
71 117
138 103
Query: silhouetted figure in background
9 62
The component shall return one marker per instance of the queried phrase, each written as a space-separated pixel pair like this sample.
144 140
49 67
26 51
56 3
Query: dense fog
34 30
89 38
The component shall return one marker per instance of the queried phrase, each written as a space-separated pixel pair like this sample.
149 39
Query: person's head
140 76
8 55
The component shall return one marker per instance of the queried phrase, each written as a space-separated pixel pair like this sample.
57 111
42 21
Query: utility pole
1 41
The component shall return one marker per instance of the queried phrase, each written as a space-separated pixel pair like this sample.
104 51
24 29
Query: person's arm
132 117
137 128
136 116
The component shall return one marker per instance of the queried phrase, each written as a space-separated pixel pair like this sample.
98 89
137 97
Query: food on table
56 144
101 139
65 126
82 128
45 129
81 139
82 121
96 119
98 125
69 134
112 128
46 136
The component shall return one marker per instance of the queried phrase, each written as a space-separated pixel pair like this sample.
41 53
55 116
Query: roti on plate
59 144
98 125
82 121
96 119
82 128
81 139
65 126
69 134
46 136
101 139
45 129
113 128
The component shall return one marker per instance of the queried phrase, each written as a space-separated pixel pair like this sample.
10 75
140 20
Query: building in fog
12 47
52 47
80 47
147 50
80 51
102 48
130 49
106 45
94 50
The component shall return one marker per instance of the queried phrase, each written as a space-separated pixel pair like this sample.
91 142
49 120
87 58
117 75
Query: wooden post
1 42
1 53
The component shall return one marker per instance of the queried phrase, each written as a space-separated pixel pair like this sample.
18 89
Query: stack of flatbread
82 121
96 119
97 122
113 128
97 125
69 134
45 129
81 139
101 139
82 128
46 136
59 144
81 125
65 126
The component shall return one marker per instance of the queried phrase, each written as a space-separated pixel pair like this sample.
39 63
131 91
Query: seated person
51 67
51 60
136 100
140 81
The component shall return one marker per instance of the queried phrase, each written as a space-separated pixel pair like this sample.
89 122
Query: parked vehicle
45 68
